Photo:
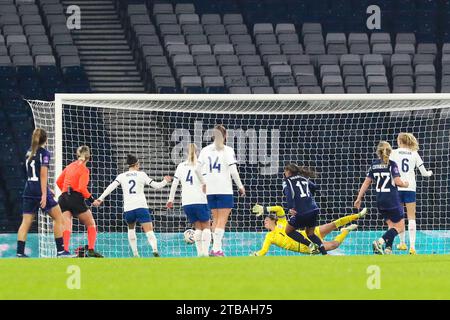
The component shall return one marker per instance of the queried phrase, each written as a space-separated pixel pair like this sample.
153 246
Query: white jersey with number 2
216 168
407 161
133 183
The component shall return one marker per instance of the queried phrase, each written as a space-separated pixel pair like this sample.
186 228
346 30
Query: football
189 236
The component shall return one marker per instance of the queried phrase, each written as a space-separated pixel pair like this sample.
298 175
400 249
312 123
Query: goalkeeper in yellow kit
276 224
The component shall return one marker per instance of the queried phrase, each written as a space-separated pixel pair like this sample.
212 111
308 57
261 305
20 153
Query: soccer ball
189 236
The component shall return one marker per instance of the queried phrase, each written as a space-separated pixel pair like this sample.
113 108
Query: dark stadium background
130 46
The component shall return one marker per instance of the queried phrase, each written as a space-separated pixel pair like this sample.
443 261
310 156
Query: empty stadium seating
233 46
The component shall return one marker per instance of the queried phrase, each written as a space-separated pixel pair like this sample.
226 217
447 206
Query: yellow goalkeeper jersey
279 237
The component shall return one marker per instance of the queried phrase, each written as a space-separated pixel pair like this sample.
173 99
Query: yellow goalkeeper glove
258 210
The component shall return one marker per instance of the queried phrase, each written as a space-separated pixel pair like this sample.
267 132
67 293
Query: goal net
335 135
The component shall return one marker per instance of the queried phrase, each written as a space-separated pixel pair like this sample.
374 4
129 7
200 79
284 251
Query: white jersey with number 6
133 183
216 167
407 161
191 186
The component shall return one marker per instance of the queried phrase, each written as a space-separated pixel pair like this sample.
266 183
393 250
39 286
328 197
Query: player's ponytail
219 135
408 140
38 138
131 160
192 154
384 150
303 171
83 153
306 172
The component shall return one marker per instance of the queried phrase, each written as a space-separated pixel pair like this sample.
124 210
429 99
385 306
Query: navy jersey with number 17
384 175
298 192
33 167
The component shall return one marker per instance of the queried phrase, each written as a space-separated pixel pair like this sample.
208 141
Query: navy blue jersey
384 175
299 192
33 168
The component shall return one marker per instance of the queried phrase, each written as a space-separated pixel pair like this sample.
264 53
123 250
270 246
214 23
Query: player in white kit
219 166
136 209
407 159
193 199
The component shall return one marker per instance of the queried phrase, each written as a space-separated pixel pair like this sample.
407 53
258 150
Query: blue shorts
407 196
197 212
393 214
304 220
32 205
141 215
220 201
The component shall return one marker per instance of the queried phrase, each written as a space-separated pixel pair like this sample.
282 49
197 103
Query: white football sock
217 237
198 241
412 233
402 237
133 241
206 240
152 240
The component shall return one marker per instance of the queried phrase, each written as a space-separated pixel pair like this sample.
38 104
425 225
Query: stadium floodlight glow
335 134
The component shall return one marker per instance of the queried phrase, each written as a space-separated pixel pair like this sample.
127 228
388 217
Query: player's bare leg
87 219
220 221
27 221
132 239
151 237
411 213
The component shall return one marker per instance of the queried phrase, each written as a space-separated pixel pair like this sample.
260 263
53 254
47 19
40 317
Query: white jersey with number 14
216 167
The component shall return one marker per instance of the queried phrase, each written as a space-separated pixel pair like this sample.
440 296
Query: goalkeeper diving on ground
275 221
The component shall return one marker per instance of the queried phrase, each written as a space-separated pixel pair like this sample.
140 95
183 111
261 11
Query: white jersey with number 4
407 161
133 183
216 167
191 186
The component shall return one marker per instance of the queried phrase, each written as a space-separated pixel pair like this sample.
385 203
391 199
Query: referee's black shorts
73 202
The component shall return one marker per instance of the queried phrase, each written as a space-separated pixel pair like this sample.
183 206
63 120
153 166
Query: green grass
314 277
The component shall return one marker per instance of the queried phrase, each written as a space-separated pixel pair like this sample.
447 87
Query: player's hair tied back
384 150
131 160
83 153
38 138
303 171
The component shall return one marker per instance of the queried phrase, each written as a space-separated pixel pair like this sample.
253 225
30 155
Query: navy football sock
315 239
20 247
389 237
59 244
297 236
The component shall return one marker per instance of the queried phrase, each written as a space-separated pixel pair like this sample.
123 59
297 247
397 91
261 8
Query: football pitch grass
261 278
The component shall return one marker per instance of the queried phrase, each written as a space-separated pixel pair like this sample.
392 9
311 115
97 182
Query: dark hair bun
131 160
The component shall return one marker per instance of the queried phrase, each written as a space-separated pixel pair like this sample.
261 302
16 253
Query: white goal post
334 134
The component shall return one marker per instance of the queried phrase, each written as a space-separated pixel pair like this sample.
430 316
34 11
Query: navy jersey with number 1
298 193
33 167
387 192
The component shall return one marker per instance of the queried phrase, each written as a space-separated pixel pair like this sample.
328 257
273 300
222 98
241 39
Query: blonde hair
38 138
83 153
384 150
192 154
408 140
